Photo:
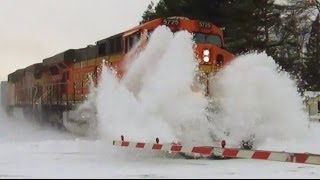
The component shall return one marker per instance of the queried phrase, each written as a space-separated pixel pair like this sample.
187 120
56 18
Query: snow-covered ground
30 150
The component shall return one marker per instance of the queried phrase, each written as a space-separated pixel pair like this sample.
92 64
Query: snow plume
141 66
74 120
161 104
251 96
89 102
257 98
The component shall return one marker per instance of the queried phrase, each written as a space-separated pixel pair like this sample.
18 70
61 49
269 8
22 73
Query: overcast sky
31 30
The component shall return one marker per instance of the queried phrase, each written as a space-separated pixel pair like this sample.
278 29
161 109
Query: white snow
162 105
66 157
46 153
256 97
159 102
281 2
311 94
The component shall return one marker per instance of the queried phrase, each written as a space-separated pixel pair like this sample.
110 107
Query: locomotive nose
204 53
209 54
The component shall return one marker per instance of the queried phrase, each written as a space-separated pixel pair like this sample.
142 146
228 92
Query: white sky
31 30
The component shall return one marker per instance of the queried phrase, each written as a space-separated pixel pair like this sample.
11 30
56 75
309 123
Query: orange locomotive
46 90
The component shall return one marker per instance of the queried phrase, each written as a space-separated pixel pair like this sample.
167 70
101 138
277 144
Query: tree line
289 32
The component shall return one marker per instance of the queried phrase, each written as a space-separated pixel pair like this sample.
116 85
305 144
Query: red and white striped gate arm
224 152
268 155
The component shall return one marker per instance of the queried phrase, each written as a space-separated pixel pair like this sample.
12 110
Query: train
47 91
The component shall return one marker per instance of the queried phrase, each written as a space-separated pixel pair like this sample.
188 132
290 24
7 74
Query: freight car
49 90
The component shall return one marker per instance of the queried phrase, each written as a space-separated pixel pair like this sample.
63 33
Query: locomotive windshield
208 38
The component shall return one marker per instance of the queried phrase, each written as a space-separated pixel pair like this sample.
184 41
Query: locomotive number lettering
203 24
171 22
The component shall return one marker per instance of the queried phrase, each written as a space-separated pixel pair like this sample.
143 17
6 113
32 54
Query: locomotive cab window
208 38
112 45
62 66
118 45
102 49
54 70
131 41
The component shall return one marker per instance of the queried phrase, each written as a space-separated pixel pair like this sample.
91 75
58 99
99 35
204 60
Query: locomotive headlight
206 52
206 59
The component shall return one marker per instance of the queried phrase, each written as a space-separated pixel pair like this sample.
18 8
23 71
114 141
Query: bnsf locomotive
50 89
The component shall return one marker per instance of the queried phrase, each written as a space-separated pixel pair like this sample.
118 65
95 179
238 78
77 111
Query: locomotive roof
111 37
34 67
72 55
16 76
68 55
